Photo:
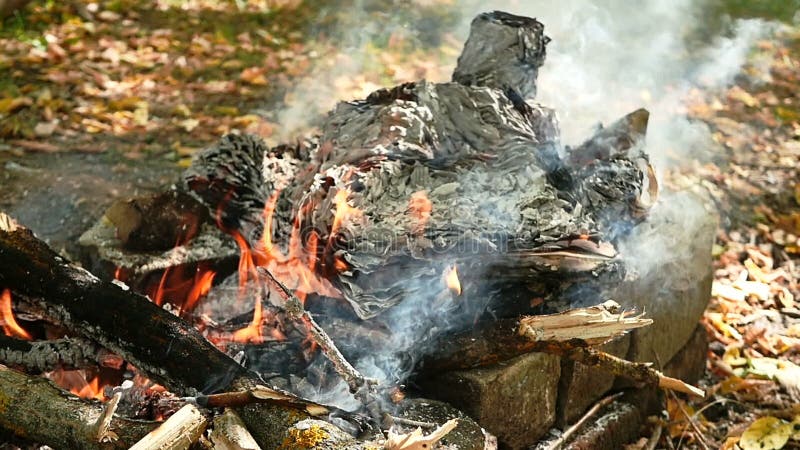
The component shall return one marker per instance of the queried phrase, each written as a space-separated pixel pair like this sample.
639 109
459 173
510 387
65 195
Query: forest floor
158 80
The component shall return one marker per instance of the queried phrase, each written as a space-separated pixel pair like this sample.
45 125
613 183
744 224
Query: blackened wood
484 345
36 410
500 340
155 341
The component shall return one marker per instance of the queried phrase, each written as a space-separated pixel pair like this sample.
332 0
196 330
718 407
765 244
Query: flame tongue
78 383
10 325
452 281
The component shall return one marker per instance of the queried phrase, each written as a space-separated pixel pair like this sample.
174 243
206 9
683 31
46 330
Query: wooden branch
44 356
593 325
501 340
230 433
178 432
36 410
257 394
639 372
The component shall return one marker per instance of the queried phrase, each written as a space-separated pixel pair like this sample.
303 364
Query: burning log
158 343
415 213
418 178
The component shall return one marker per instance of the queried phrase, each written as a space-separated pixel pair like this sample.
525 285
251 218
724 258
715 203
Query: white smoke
606 59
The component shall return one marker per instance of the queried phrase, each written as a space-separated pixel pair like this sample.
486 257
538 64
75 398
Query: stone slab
515 400
671 252
580 386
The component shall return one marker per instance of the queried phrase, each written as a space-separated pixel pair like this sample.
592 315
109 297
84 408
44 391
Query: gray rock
515 401
581 386
671 252
689 364
467 435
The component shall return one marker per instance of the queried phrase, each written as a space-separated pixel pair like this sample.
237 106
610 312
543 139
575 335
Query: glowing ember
453 283
340 265
420 207
9 323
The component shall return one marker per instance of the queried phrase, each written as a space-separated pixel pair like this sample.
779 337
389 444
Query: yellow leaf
227 110
246 119
766 433
140 114
125 104
733 356
182 110
9 105
189 124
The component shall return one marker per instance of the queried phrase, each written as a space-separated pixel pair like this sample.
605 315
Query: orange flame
75 381
253 332
10 325
343 211
269 210
453 283
201 286
420 207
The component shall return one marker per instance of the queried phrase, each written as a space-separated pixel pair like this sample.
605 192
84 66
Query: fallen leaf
140 114
189 124
44 129
230 111
254 75
766 433
10 105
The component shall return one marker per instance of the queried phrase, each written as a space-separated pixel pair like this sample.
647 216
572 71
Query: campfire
290 296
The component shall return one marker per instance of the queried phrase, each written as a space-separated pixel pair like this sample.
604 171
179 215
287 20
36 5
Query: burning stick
258 394
361 386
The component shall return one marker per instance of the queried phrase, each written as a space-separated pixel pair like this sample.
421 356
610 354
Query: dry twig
555 445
